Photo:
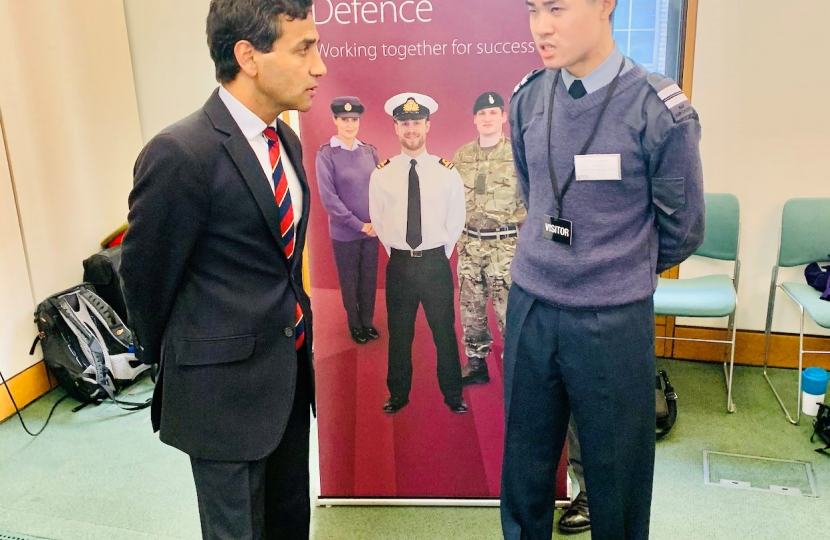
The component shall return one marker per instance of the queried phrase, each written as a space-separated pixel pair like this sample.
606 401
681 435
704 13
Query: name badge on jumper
593 167
558 230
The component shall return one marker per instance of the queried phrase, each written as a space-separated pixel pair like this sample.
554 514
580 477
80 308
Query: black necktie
577 89
413 209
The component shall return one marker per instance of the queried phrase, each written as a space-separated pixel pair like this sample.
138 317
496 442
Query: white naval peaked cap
410 103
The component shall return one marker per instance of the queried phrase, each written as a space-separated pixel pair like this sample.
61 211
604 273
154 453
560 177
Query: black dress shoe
456 404
371 332
576 519
475 372
394 404
359 336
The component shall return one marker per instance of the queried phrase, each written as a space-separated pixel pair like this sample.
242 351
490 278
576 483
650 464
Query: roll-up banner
410 274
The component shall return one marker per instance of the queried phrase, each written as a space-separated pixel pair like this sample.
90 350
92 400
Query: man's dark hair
257 21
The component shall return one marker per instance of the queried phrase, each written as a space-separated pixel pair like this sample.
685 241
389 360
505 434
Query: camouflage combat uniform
485 250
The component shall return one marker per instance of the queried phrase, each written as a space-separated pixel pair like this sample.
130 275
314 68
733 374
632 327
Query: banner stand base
328 502
460 503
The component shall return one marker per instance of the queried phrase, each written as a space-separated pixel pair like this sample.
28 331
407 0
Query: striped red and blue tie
286 216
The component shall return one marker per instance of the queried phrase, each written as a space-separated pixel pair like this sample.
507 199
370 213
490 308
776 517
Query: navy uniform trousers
598 364
357 270
410 282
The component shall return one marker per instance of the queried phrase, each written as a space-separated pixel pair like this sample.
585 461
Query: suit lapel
246 162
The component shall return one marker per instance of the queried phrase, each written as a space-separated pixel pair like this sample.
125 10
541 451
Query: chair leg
800 360
770 310
800 363
730 405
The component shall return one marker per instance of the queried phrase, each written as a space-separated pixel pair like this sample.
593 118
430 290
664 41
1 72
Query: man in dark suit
212 267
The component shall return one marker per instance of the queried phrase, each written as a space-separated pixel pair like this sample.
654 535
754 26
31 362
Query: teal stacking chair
805 238
715 295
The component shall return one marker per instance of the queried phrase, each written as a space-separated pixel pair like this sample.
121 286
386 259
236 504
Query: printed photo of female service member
344 167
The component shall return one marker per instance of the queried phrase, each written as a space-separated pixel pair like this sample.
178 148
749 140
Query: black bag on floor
666 399
821 428
87 346
102 270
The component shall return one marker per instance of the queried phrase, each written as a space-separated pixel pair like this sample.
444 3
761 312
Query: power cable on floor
20 416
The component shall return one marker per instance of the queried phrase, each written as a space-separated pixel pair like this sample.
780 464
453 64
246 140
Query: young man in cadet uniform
608 160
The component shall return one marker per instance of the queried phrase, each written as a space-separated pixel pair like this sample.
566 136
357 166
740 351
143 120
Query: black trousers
357 269
266 499
599 365
410 282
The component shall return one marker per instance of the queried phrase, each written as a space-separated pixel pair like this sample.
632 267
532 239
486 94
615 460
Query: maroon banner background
424 451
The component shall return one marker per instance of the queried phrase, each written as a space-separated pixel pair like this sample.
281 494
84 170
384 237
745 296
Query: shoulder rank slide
383 164
529 77
447 164
672 96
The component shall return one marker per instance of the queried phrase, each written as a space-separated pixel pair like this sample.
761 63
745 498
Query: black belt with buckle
508 231
427 253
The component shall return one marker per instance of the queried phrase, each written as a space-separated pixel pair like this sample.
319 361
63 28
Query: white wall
759 76
174 74
68 101
16 330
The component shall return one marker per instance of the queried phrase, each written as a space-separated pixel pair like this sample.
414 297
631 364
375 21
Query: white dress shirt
335 142
442 203
252 128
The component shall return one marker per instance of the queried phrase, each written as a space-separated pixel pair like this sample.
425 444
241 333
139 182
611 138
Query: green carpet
14 536
101 473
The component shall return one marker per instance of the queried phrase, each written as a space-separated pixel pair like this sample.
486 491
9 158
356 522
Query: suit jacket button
289 332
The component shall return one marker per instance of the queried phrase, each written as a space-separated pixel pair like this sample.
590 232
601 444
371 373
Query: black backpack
666 399
87 346
821 428
102 271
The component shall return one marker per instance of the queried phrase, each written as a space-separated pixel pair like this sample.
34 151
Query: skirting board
26 387
749 347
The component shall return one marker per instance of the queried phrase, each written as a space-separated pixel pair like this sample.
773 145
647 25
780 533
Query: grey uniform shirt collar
337 143
602 75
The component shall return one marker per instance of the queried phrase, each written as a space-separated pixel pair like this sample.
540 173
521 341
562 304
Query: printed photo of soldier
494 212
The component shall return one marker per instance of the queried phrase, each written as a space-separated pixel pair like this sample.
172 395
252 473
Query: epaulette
529 77
383 164
447 164
672 96
324 145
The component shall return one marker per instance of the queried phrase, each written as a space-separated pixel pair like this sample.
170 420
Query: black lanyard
559 196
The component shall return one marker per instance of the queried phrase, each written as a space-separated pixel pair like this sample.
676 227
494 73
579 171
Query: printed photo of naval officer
416 205
344 166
